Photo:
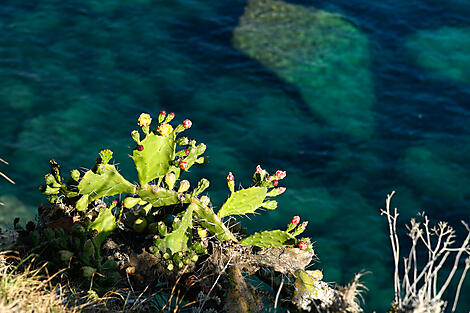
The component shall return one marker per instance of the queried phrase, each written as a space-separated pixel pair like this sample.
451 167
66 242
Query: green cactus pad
104 223
177 240
108 183
159 196
267 239
243 201
154 160
210 221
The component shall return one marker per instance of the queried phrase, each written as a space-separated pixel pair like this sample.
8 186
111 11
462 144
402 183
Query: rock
443 52
241 295
321 53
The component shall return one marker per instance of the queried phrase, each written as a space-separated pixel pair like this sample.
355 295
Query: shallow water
348 124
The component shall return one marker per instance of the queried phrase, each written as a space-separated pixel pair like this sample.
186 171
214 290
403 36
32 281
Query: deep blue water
349 121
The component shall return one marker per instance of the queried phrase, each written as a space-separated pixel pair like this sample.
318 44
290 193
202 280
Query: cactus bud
180 264
295 221
270 205
75 174
186 151
205 200
140 225
170 180
88 271
300 229
161 116
140 148
281 174
183 165
144 120
183 141
130 270
135 136
194 258
302 245
65 255
170 266
184 186
187 124
169 117
166 256
162 229
202 232
202 185
88 248
231 182
105 156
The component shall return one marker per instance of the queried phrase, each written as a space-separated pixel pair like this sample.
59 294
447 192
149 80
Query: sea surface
352 98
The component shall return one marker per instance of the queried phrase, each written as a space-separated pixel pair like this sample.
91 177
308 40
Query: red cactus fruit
303 245
281 174
230 177
275 182
183 165
295 220
163 112
187 124
140 147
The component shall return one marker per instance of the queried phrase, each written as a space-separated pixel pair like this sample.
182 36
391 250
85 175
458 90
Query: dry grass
28 290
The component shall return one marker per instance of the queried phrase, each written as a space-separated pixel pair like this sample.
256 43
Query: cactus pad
243 201
154 160
267 239
104 183
178 239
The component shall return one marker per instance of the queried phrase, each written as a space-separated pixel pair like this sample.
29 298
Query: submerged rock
435 176
321 53
444 51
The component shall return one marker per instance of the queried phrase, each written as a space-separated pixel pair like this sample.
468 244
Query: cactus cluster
161 205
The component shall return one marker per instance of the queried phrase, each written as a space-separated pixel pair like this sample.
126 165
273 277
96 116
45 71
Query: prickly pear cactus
159 196
210 221
243 201
267 239
153 156
104 181
177 240
104 224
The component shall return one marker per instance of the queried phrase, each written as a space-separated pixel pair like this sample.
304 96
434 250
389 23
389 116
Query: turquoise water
353 99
